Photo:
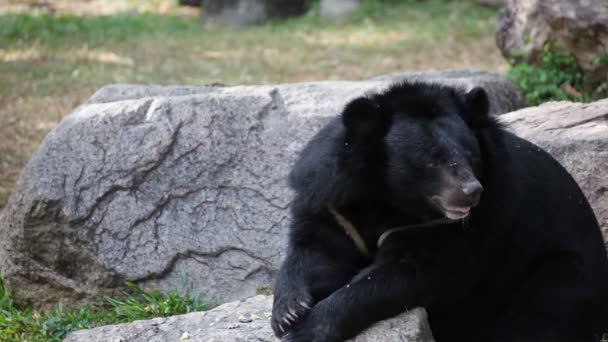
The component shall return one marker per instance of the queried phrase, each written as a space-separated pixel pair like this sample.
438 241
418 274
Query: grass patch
50 63
265 290
24 29
24 324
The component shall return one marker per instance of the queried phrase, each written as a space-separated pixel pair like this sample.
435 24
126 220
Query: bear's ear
477 106
362 118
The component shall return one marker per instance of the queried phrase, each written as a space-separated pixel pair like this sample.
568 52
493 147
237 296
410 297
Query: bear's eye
435 160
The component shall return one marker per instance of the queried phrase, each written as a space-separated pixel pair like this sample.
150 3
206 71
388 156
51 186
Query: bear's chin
449 211
456 215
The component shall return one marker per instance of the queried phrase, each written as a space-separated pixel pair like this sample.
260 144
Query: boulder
173 187
250 12
242 321
338 9
576 135
580 27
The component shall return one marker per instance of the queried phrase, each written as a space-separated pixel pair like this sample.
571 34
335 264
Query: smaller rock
576 134
222 324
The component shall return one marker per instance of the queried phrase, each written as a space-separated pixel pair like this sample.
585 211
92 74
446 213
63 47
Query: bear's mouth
452 212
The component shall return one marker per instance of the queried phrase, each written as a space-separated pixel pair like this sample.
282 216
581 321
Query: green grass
265 290
24 324
58 53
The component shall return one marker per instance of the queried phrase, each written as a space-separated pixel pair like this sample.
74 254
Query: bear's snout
457 197
472 190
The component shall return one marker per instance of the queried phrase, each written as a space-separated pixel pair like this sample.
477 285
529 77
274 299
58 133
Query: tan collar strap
388 232
353 233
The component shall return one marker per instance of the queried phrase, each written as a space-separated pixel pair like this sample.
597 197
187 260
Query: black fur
527 264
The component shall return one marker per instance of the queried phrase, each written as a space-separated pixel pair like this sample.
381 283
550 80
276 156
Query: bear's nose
473 191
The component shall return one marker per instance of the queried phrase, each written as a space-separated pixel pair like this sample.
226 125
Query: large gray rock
146 183
579 26
250 12
576 135
242 321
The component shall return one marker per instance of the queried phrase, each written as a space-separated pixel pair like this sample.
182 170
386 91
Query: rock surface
250 12
576 135
338 9
147 183
242 321
580 26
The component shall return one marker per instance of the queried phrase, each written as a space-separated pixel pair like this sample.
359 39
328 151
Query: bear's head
414 147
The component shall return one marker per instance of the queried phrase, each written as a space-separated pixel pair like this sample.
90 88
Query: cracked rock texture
242 321
576 135
148 183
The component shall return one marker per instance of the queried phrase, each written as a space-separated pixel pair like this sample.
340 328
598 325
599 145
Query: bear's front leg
307 275
378 292
320 259
407 273
292 293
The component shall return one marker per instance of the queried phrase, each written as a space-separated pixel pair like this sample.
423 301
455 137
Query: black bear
417 197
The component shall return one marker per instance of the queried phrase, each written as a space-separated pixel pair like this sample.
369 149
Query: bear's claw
288 311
